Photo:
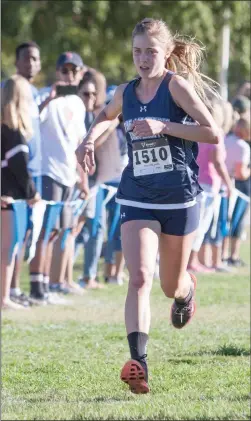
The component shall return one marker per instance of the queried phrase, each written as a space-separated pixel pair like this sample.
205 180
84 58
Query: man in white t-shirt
62 116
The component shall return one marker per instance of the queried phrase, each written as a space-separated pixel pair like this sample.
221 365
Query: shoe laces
182 309
143 357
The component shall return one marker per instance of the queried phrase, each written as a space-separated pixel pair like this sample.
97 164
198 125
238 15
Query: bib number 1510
146 156
151 156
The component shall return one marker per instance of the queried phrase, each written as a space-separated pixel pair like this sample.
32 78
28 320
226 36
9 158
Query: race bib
151 156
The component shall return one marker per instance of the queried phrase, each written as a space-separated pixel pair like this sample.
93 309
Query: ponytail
185 60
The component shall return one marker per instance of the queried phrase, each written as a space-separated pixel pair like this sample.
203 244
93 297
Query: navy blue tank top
162 172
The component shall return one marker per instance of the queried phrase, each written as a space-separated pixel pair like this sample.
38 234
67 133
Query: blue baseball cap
69 57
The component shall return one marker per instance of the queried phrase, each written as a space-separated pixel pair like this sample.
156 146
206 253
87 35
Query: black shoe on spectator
39 299
238 263
21 299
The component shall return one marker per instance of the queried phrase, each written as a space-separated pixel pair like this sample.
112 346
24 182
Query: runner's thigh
140 240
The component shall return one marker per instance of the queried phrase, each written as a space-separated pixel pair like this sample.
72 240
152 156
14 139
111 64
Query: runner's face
149 56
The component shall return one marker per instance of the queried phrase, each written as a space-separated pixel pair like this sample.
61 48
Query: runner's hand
147 127
85 156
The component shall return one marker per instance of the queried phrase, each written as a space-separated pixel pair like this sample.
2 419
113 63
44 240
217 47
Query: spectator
28 65
245 89
16 130
114 259
210 254
62 129
87 92
92 233
100 82
230 116
211 161
238 163
241 104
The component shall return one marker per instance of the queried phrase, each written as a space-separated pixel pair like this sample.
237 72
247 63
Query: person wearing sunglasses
91 92
88 92
69 72
62 125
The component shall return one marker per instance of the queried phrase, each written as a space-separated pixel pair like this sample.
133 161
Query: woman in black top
16 129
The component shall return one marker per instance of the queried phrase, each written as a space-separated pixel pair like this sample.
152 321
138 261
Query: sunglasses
89 94
66 71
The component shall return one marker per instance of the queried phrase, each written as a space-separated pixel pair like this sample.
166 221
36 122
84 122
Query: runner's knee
142 279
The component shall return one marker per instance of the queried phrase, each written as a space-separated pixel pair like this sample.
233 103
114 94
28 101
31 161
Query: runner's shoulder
121 89
119 93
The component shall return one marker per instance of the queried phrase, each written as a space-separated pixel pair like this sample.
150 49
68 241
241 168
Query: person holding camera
62 116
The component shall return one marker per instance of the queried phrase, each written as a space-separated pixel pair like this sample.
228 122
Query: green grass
63 363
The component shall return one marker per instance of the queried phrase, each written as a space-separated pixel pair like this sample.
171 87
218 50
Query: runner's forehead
146 41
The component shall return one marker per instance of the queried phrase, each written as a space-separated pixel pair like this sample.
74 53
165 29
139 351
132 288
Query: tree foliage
100 31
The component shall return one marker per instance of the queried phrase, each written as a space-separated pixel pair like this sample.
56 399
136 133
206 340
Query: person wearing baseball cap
69 71
62 124
70 57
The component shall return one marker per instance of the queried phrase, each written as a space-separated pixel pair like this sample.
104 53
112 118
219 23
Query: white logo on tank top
143 108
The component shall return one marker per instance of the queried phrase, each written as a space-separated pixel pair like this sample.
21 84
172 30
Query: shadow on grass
232 351
227 351
243 398
189 361
97 399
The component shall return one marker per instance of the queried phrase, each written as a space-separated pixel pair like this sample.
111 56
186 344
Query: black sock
46 281
36 285
187 299
138 345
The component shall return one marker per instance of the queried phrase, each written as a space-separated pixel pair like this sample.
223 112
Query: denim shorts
55 191
173 221
234 227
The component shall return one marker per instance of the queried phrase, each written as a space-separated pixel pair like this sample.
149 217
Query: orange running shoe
133 374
